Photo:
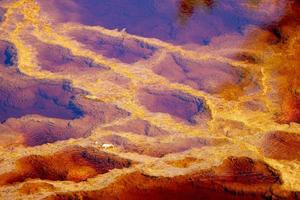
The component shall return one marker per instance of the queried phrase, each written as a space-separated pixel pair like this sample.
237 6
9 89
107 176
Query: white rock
106 146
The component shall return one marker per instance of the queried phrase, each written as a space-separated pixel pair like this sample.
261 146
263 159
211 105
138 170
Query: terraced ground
149 99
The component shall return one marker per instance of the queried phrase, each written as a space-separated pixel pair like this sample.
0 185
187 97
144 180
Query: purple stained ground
199 99
177 21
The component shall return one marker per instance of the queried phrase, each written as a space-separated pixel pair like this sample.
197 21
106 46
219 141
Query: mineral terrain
149 99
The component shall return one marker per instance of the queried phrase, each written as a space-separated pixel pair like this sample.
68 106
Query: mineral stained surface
149 99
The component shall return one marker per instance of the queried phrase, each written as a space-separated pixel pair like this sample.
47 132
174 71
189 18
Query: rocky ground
207 109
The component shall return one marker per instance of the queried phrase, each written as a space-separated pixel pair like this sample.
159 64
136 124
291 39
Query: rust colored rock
288 82
188 7
281 145
72 164
246 171
222 182
287 70
290 96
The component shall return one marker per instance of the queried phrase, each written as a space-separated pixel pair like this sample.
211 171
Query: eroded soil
149 99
